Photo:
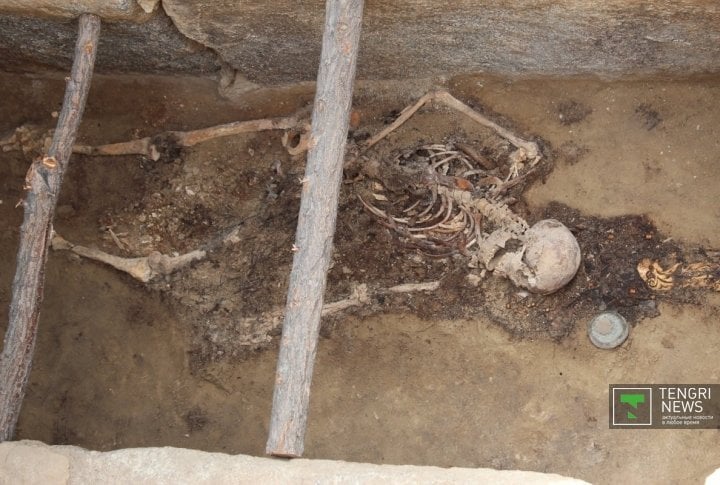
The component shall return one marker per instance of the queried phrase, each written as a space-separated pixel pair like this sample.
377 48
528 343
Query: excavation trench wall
277 42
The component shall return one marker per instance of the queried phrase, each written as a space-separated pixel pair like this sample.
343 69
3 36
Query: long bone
525 150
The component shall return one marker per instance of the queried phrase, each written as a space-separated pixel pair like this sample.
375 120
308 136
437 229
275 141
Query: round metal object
608 330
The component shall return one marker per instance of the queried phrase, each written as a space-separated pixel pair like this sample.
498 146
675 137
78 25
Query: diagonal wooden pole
42 183
316 226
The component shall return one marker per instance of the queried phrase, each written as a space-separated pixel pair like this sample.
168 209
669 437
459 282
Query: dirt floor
475 373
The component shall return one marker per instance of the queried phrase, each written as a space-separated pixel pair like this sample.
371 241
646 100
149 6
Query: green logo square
631 406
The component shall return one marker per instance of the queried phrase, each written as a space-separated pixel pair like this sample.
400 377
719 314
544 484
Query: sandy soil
464 377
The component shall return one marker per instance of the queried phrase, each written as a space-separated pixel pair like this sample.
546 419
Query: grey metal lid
608 330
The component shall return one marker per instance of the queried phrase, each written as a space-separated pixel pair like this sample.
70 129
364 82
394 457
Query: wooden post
316 226
42 182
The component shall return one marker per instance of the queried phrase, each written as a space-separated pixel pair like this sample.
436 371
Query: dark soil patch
192 200
649 116
570 112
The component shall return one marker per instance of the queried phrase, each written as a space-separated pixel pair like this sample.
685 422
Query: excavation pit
188 360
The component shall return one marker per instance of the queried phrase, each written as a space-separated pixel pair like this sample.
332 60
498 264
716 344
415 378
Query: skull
546 261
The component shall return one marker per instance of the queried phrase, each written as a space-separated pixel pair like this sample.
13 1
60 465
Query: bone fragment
142 269
410 287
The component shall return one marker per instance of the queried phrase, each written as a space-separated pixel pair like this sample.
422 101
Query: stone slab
112 10
32 462
278 42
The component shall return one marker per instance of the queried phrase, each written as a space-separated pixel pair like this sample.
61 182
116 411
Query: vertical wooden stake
316 226
42 183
